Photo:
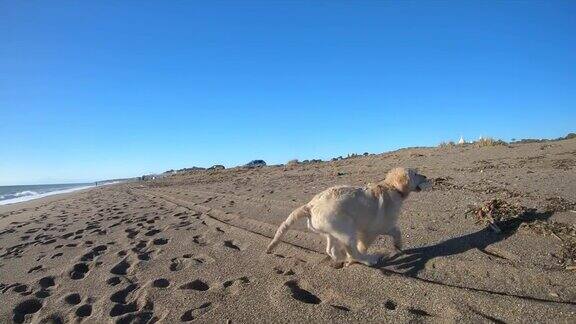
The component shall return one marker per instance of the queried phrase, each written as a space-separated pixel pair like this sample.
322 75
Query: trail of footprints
33 305
129 302
126 306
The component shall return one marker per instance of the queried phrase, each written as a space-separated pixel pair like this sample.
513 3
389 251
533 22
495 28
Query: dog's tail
298 213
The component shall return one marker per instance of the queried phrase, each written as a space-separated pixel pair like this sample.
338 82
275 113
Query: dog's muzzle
423 186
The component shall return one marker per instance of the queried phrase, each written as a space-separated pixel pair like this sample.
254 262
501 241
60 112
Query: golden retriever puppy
351 218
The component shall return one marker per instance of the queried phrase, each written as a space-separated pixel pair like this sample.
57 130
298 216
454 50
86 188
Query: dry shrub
447 144
489 141
293 162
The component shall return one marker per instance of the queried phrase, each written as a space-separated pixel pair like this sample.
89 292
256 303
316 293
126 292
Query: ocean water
16 194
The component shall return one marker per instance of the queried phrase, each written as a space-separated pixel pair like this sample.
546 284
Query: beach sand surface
190 247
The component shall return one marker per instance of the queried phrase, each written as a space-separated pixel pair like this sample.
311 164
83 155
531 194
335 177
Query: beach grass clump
489 141
446 144
293 162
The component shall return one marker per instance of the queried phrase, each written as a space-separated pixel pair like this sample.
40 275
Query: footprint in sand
121 268
152 232
47 282
187 260
178 264
236 285
195 313
197 284
113 281
59 254
119 296
42 293
19 288
281 271
145 256
52 318
79 271
301 294
94 253
138 311
161 283
160 241
73 299
121 309
141 245
26 307
131 233
199 239
233 245
390 305
36 268
84 311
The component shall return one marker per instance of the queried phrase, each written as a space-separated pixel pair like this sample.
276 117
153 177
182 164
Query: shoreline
42 195
40 201
21 200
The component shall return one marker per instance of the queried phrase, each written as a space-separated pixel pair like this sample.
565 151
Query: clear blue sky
92 90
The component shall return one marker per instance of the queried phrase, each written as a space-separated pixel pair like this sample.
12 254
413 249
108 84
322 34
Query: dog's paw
372 260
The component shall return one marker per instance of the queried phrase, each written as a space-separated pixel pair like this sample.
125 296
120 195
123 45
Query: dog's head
406 180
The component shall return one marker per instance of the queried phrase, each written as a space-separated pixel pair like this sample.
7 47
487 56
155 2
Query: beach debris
499 214
494 211
559 204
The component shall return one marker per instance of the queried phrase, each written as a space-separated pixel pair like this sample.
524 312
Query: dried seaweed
494 211
498 213
559 204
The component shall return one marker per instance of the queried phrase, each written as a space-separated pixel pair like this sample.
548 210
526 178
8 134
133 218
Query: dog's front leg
365 240
396 237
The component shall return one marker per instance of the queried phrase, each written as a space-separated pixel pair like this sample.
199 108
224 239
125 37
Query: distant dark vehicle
191 169
217 167
255 164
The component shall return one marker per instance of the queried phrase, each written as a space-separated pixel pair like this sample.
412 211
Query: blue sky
92 90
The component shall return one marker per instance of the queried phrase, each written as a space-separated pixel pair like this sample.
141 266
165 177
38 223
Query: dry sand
190 247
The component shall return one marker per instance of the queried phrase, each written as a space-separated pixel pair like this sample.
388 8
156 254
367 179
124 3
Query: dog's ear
399 179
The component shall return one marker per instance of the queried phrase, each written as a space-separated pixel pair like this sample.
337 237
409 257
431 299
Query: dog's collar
392 188
403 195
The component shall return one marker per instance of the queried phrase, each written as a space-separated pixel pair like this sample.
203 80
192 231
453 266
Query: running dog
351 218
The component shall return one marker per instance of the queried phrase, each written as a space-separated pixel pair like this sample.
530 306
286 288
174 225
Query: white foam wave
19 194
25 193
30 195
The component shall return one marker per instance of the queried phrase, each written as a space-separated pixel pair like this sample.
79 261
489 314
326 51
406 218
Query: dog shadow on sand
412 261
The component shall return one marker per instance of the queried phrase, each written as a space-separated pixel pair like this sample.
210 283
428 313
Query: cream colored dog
351 218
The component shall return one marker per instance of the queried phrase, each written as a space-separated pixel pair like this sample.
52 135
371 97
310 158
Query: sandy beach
190 247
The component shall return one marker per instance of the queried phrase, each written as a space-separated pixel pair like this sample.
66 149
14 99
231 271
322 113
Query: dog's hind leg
334 249
396 237
350 243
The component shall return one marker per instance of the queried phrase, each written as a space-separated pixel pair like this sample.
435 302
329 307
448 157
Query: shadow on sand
412 261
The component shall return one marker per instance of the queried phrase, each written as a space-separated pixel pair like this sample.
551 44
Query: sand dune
190 247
